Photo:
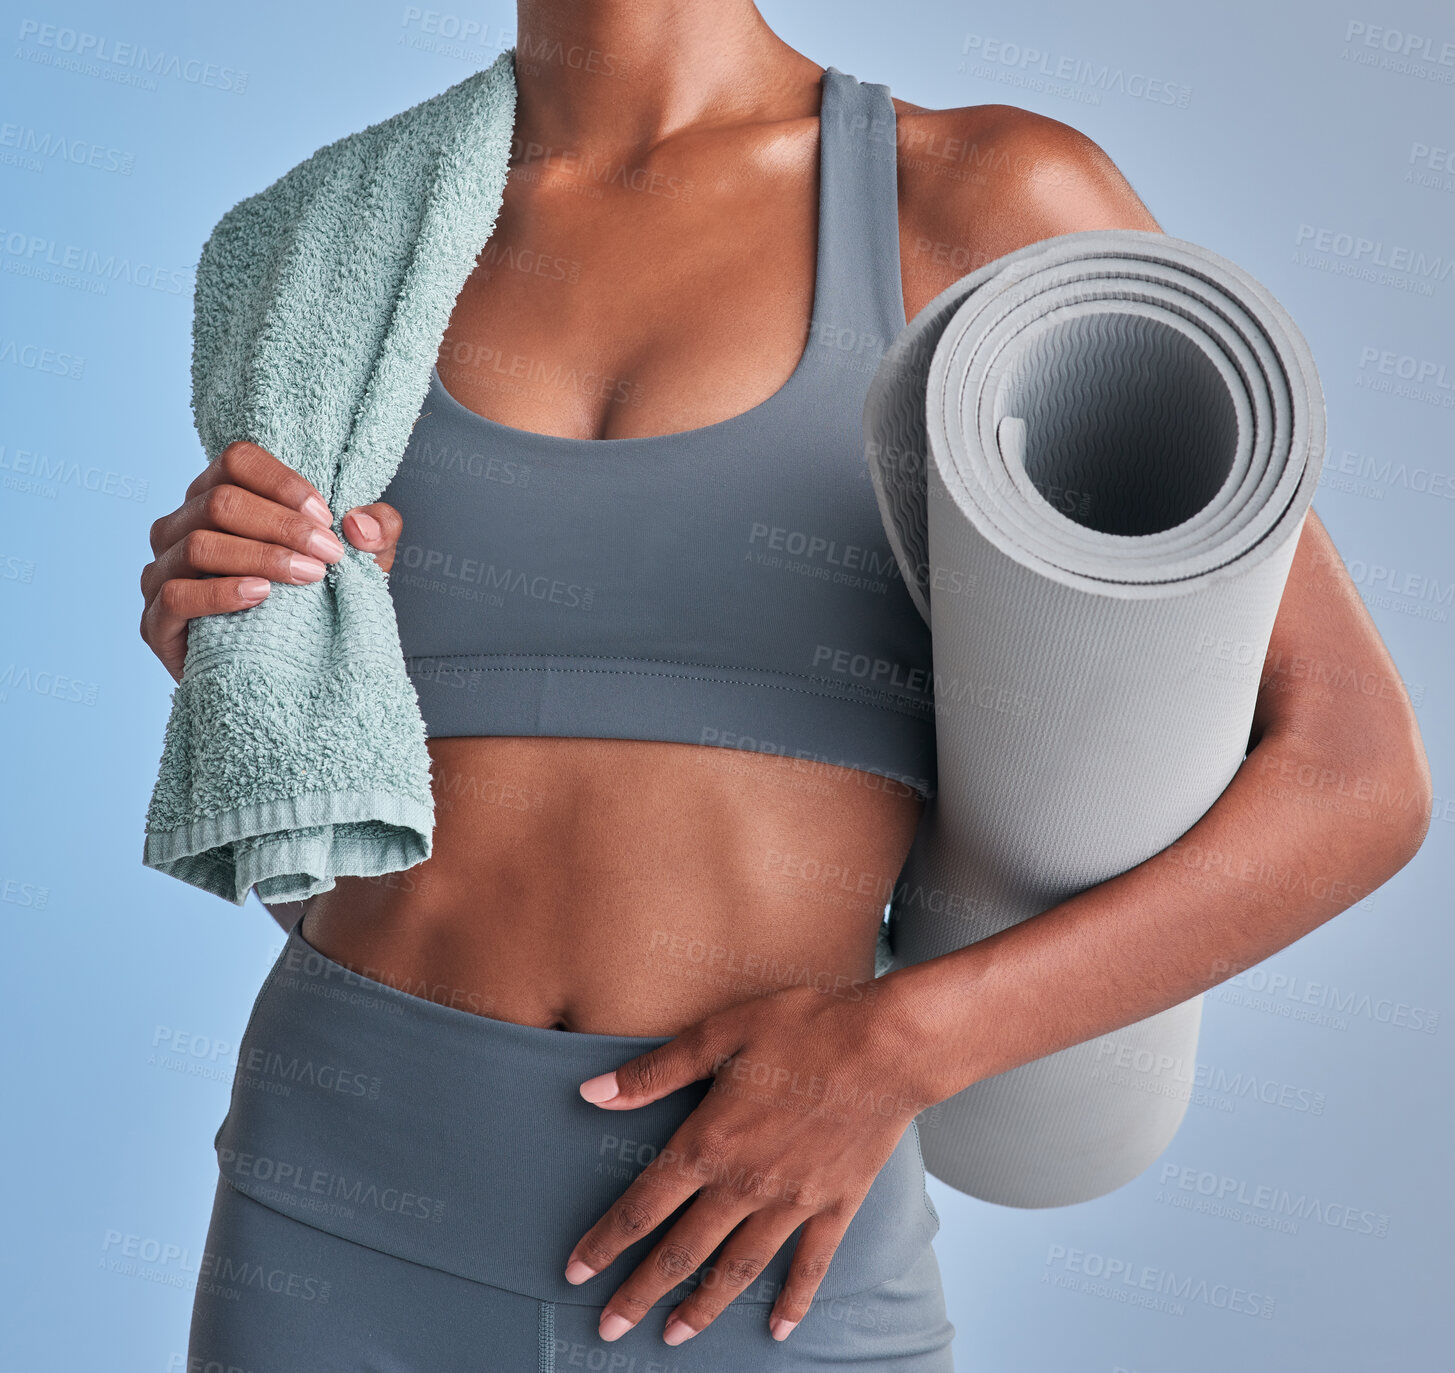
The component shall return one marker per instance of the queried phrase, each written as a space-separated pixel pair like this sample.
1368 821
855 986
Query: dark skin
590 861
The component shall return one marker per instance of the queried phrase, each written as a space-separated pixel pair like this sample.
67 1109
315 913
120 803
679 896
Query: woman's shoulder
979 181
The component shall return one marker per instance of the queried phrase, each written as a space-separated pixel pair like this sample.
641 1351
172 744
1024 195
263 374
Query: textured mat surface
1093 458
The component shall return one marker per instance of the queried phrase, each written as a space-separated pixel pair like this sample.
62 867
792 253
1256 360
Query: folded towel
295 748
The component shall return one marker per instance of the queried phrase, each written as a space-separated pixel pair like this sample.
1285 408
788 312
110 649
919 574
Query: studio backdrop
1299 1217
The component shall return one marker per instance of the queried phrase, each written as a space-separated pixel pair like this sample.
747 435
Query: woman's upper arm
982 181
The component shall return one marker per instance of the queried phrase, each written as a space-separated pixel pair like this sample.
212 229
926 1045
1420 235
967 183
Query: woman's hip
460 1143
276 1295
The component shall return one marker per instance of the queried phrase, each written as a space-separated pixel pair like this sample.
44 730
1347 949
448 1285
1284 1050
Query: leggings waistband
461 1142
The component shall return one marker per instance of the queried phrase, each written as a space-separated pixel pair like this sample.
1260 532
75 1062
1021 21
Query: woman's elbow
1412 775
1392 758
1358 763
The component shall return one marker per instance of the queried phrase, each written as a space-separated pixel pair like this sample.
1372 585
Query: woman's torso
632 885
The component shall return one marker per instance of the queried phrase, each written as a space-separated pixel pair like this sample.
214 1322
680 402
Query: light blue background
125 992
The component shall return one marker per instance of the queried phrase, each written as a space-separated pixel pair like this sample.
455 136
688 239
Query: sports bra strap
859 209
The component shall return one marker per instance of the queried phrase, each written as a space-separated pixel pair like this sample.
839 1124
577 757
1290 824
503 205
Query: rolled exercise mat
1093 457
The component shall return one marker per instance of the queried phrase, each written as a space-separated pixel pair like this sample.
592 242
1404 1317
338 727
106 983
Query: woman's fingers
236 510
257 470
227 544
214 553
697 1053
247 520
817 1245
748 1251
753 1174
683 1165
676 1257
375 529
164 618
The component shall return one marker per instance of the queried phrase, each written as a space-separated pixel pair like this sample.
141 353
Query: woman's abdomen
629 887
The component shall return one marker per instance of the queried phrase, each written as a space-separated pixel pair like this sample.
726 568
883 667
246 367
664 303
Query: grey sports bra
729 585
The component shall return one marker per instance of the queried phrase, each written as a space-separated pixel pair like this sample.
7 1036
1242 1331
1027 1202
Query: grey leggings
403 1179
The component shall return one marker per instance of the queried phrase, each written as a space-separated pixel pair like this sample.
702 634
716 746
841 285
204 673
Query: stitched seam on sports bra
855 695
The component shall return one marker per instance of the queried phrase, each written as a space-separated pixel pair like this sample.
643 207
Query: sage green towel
295 748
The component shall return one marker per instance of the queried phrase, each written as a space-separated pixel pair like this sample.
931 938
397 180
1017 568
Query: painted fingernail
315 509
599 1089
305 569
614 1327
325 544
252 588
677 1330
368 525
577 1272
782 1328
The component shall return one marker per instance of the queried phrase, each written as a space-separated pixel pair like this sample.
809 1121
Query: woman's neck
613 78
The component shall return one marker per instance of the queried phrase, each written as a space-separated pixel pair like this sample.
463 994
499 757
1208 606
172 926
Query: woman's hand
248 519
810 1095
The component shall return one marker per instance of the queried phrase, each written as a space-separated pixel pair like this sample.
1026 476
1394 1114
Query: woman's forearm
1299 835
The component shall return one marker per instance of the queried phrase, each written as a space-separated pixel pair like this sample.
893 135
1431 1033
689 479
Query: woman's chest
635 304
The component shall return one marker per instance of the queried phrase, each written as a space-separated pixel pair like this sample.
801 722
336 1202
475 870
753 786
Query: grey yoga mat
1093 457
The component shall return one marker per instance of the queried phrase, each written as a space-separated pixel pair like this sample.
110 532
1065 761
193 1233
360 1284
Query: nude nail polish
677 1331
599 1089
781 1328
614 1327
577 1272
305 569
325 545
315 509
